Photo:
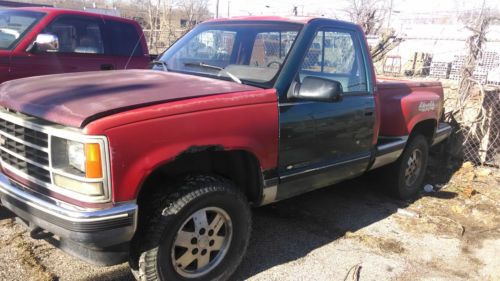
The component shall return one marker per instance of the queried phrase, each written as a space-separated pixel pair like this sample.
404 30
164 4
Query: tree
193 12
479 26
370 14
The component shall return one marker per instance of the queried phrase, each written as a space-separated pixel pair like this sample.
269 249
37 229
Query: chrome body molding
269 195
389 151
443 131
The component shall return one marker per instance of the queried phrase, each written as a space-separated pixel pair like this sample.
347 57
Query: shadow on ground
289 230
5 214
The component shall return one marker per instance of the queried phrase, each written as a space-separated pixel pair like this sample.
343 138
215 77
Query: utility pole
228 8
389 17
217 9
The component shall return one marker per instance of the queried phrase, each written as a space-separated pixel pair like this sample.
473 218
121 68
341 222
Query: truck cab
41 41
160 167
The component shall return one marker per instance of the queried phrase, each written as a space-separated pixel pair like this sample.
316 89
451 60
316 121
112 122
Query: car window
270 48
77 35
125 39
14 25
250 52
336 55
213 46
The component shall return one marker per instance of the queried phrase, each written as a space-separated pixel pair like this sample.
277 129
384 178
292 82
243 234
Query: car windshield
14 24
245 52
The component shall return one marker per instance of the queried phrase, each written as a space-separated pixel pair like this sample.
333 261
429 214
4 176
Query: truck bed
405 103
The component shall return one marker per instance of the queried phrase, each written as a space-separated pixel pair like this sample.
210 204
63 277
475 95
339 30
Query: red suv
39 41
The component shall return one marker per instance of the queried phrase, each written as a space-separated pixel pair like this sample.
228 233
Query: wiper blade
161 63
200 64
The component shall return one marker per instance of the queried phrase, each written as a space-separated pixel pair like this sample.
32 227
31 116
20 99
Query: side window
125 39
77 35
270 48
336 55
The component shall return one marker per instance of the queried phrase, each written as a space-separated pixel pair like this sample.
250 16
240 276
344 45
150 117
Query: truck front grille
25 149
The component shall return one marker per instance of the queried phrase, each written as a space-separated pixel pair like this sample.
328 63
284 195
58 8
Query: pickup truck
160 167
40 41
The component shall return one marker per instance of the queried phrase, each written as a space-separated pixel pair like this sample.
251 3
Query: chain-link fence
477 122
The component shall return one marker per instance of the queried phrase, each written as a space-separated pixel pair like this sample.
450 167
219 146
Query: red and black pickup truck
39 41
160 167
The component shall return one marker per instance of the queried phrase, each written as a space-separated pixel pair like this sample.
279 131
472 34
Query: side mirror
319 89
45 43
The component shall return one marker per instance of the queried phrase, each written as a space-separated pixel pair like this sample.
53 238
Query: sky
333 8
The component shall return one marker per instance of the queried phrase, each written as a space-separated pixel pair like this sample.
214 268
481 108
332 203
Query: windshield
14 25
243 52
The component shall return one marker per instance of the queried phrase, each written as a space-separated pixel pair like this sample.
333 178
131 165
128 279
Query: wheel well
239 166
425 128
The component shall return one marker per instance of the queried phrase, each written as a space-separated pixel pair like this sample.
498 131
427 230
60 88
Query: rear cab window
271 48
124 39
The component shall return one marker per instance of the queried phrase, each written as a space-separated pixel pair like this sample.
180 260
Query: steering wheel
274 62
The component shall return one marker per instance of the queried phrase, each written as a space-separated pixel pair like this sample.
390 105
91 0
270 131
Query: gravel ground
350 230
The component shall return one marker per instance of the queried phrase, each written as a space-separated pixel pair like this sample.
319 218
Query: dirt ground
346 232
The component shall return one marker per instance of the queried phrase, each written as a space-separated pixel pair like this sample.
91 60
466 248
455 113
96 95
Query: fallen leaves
468 192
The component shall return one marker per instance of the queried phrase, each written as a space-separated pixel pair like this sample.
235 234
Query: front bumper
93 230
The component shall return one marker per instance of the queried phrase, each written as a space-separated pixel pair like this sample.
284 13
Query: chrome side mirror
45 43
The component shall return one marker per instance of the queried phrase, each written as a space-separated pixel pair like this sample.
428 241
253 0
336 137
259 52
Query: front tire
405 177
199 233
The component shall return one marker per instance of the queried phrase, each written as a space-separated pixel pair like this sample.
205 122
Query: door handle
107 67
369 111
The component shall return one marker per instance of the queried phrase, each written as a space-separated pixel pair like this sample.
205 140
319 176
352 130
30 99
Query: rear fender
421 107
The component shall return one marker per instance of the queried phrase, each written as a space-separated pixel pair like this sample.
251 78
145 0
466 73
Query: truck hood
77 99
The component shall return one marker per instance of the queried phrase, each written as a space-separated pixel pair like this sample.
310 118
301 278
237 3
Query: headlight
76 155
78 166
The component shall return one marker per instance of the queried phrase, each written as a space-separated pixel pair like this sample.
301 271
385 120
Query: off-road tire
152 245
394 174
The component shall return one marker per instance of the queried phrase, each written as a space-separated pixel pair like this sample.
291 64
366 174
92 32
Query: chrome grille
24 134
25 149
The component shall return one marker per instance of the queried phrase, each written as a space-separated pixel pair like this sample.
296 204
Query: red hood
77 99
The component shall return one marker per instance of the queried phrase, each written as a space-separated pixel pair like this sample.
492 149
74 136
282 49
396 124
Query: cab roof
302 20
59 11
291 19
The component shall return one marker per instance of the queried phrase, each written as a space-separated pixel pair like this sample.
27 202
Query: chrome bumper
93 228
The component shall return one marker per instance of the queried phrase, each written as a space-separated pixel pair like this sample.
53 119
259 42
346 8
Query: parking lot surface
348 231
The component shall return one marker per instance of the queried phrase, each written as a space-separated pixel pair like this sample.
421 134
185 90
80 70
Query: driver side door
323 142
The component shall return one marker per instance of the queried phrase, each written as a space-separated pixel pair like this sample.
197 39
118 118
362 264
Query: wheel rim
202 242
413 167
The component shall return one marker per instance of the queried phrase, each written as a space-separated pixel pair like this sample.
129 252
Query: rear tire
201 232
405 177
